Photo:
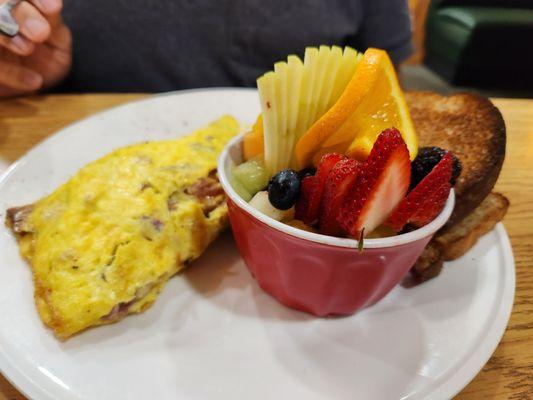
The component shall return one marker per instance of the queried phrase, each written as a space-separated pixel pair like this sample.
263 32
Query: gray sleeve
386 24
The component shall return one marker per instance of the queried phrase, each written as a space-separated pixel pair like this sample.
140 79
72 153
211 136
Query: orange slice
372 101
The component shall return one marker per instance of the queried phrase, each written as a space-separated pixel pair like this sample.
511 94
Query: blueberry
284 189
426 159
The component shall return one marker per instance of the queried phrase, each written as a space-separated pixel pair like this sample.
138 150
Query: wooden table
507 375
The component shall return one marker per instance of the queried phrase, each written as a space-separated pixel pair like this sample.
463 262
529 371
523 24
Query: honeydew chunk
261 203
237 185
282 152
267 96
252 175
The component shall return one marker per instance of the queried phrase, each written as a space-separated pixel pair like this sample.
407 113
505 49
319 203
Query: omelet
104 244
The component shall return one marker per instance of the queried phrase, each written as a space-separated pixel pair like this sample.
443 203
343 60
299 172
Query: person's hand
38 57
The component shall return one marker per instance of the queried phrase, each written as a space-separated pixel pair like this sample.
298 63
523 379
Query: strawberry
339 182
308 188
380 186
308 205
427 199
431 207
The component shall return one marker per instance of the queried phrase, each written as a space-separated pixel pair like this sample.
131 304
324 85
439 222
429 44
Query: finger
53 63
49 7
61 38
18 77
33 25
6 92
18 45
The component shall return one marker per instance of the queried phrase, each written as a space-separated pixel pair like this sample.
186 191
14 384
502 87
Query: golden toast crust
457 240
474 130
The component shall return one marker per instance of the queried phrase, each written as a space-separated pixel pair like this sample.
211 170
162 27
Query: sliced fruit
253 142
267 96
301 225
427 199
260 202
431 207
282 155
338 184
294 77
380 185
349 62
307 95
426 160
381 232
294 96
312 188
308 187
372 101
252 175
330 74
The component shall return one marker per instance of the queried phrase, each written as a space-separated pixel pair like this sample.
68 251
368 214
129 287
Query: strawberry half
308 188
380 186
308 205
339 182
427 199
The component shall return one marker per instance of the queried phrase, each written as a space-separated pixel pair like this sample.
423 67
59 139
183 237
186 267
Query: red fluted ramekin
322 275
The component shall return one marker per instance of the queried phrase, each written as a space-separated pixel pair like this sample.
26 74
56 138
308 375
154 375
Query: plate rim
446 389
475 362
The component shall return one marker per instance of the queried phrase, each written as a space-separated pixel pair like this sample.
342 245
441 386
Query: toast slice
458 239
473 129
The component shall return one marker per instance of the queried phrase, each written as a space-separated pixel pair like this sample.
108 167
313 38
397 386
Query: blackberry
424 162
306 172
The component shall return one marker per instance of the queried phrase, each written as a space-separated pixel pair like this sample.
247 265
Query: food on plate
371 102
296 94
262 203
251 176
345 113
384 162
473 129
345 109
104 244
452 243
284 189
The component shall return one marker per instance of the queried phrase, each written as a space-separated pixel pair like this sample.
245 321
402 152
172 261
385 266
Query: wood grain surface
508 374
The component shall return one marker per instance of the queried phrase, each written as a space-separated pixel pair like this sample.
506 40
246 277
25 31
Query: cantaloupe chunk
253 142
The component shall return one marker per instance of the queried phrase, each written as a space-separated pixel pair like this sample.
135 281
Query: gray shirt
162 45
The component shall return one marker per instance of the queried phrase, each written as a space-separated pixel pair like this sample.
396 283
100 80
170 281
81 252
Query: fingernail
36 26
19 43
32 79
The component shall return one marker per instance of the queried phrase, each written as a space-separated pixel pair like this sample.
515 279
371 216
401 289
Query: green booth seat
481 43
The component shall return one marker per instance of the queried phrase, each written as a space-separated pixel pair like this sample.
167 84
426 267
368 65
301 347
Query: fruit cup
319 274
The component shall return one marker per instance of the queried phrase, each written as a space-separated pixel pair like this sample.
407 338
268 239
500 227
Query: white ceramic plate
213 334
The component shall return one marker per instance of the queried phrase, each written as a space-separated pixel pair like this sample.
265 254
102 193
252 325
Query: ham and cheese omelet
104 244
